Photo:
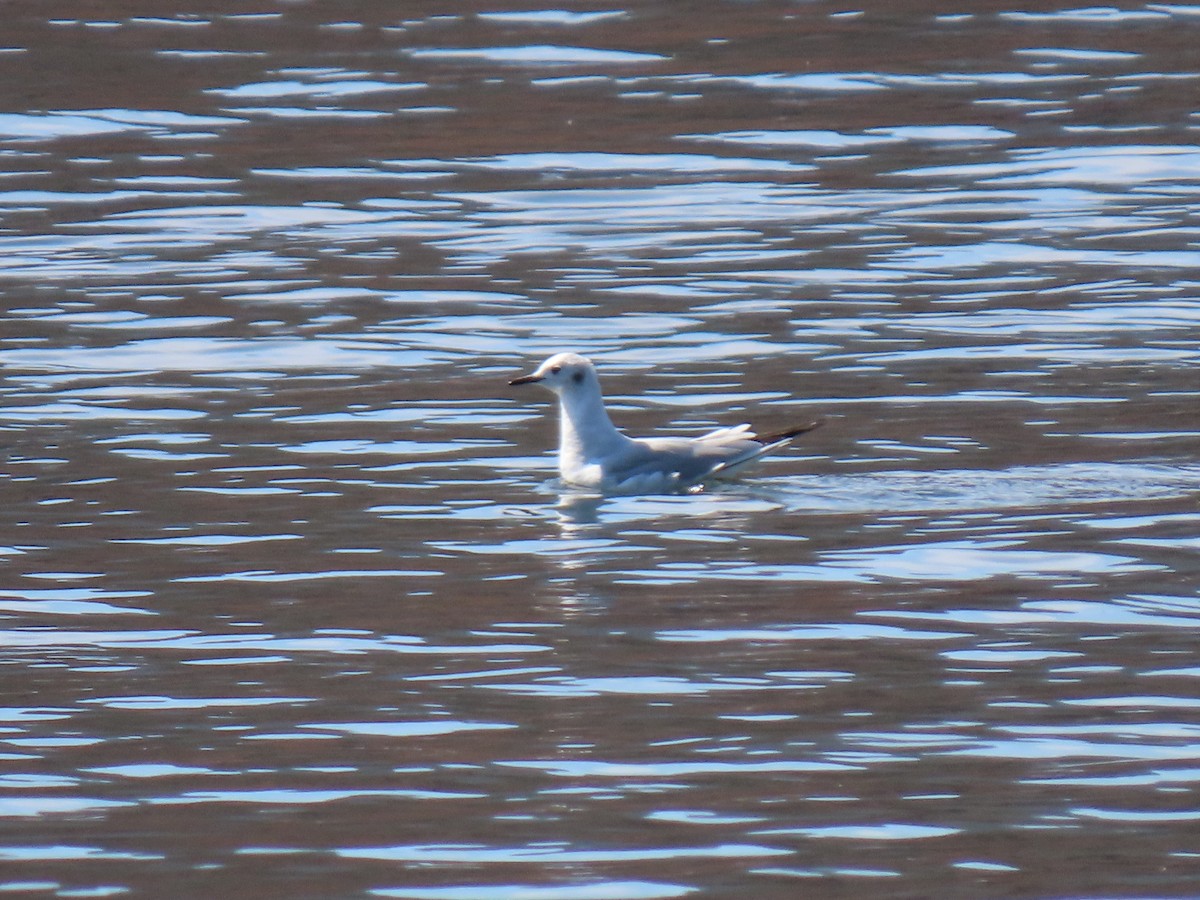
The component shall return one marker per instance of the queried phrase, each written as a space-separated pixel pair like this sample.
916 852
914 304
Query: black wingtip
790 433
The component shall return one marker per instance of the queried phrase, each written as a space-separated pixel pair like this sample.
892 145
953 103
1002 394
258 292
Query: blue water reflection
293 600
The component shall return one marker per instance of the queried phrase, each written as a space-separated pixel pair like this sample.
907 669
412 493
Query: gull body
592 453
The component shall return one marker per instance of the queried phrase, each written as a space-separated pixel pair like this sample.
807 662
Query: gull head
566 374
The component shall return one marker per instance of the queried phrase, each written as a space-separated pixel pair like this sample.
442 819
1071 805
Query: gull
592 453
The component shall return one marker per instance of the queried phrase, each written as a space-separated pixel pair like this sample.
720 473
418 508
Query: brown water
293 604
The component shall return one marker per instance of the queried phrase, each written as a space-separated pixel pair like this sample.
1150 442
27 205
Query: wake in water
981 489
956 490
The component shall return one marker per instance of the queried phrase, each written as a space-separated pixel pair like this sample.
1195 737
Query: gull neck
585 430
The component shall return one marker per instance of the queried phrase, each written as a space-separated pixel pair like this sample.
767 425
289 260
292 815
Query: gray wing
665 464
687 461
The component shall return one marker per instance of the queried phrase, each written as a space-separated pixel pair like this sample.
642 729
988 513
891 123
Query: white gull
592 453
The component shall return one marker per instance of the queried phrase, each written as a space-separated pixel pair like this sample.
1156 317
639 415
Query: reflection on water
293 603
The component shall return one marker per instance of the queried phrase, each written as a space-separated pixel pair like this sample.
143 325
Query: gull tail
766 443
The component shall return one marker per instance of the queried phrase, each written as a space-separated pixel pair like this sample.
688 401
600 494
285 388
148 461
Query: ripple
24 807
700 817
1135 815
550 17
601 769
1077 54
153 770
1137 702
629 686
537 55
270 577
296 797
193 642
888 832
841 872
59 412
972 561
849 631
161 703
68 123
1125 166
199 354
1087 15
353 448
821 140
1155 777
208 540
550 853
1005 657
601 890
66 598
695 572
620 163
317 89
45 852
405 729
1062 748
838 82
59 607
1062 612
294 112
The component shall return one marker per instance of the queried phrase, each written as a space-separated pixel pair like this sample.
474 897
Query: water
293 604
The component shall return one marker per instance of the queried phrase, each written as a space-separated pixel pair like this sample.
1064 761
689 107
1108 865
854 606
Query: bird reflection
576 508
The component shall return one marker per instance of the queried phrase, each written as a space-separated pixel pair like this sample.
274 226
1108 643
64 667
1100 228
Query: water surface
293 603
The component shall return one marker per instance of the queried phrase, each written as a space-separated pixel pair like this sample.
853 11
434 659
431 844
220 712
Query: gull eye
554 370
